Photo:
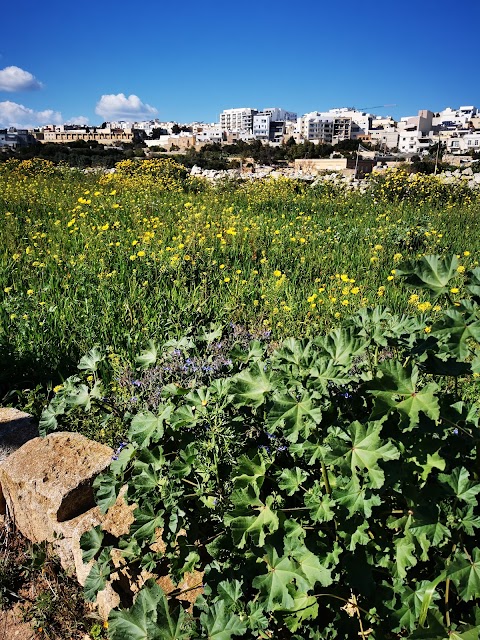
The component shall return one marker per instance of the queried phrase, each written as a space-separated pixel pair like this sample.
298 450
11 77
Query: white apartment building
316 126
383 122
280 115
335 125
421 122
261 126
237 119
414 141
462 142
209 136
454 118
385 138
361 121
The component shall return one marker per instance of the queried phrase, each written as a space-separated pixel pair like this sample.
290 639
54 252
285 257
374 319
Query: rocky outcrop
16 428
48 482
48 488
47 485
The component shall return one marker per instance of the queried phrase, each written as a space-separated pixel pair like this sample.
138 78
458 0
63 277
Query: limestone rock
16 428
49 481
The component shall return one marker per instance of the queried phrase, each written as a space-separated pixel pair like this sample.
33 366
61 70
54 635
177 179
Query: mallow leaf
397 388
362 451
430 272
148 356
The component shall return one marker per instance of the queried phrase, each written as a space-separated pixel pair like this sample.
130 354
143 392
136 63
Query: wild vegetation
290 376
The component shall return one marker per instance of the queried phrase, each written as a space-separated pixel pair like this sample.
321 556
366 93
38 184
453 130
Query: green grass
114 261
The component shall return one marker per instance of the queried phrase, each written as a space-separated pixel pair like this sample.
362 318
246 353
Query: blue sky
188 60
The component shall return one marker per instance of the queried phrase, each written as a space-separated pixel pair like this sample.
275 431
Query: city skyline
189 62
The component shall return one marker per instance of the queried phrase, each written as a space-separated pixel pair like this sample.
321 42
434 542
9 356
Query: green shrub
325 489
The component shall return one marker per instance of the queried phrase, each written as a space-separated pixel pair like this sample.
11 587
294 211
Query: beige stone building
102 136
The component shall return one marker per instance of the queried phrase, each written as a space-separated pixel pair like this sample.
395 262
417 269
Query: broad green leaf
457 329
356 498
191 562
48 419
467 520
255 351
430 272
256 619
211 333
294 352
434 461
359 536
304 608
472 282
404 558
147 426
135 623
184 416
425 522
106 490
145 523
472 633
250 387
398 390
312 569
148 356
274 585
230 592
320 503
80 397
99 573
408 611
90 361
459 485
294 416
91 543
464 571
309 450
250 471
341 345
221 624
257 527
171 625
185 461
363 452
289 480
324 373
147 480
149 618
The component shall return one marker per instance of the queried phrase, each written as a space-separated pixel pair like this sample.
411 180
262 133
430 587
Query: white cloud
17 115
16 79
119 107
77 120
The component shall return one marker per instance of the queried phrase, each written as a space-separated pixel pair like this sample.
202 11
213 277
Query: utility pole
356 162
438 152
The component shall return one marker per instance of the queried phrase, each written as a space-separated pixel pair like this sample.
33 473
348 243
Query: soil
12 627
38 601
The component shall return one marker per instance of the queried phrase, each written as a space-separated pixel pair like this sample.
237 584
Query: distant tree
176 129
439 147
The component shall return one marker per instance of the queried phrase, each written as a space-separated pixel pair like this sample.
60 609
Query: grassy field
148 252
